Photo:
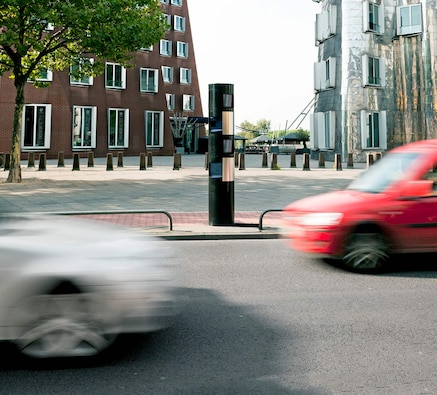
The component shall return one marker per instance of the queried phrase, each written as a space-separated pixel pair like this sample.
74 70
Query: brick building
128 110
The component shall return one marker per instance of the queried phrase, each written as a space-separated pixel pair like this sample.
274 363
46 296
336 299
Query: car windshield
384 172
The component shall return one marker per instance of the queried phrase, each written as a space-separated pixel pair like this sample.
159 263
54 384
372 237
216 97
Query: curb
178 236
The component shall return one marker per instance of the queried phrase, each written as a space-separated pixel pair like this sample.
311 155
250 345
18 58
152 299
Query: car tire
62 325
366 252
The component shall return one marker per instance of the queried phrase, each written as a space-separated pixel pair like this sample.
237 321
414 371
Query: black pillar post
221 150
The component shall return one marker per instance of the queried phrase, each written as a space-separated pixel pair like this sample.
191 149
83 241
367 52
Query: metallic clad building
375 78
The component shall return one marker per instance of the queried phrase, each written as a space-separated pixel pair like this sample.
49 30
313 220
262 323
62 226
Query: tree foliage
41 35
250 130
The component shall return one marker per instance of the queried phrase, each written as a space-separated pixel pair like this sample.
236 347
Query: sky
265 48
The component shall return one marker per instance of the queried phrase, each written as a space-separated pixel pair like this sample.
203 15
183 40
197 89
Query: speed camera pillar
221 154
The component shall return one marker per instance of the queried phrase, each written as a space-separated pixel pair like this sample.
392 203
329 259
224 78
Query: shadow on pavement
214 347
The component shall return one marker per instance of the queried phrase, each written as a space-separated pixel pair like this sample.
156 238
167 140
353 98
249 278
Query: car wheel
65 325
365 252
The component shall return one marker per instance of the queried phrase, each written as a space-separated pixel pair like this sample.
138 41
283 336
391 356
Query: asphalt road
258 319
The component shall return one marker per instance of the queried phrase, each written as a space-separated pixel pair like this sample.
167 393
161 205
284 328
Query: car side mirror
416 188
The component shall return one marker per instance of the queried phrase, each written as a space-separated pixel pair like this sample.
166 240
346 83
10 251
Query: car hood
47 243
336 201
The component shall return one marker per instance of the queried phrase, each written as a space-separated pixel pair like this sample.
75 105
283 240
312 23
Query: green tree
247 129
41 35
303 135
263 126
250 130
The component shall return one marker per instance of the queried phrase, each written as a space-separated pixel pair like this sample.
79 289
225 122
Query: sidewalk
123 195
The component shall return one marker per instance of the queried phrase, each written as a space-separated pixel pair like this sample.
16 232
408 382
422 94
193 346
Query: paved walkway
121 195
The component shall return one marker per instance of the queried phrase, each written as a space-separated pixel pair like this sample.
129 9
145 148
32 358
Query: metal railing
261 217
109 212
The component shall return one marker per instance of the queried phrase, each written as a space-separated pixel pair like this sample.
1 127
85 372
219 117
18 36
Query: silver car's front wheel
61 326
365 252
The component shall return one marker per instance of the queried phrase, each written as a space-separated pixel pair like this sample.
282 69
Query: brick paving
182 193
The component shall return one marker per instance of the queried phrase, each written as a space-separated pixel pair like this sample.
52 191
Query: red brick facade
63 96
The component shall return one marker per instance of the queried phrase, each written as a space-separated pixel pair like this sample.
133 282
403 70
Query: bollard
120 159
274 164
236 159
2 159
369 159
337 162
30 160
143 161
306 161
378 156
61 162
242 162
76 161
206 161
293 159
7 162
264 164
322 160
177 161
350 160
42 162
91 159
109 162
149 159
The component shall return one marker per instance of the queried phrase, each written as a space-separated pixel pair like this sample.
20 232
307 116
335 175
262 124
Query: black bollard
143 161
76 162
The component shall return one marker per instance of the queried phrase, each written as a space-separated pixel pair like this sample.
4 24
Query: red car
390 208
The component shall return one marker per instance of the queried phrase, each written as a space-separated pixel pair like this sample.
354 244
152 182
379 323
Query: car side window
432 175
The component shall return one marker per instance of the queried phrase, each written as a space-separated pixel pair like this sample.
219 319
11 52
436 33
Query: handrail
276 210
166 213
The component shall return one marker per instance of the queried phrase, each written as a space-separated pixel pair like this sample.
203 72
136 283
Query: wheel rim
365 251
61 326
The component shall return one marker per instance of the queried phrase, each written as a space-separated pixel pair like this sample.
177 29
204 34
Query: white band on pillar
228 167
227 123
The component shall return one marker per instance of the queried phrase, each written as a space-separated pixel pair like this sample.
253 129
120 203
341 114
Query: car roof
422 145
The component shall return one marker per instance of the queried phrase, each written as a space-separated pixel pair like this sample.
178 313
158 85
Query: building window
322 129
154 121
147 49
84 127
165 47
165 1
115 76
324 74
167 18
167 74
373 17
326 24
36 126
373 129
43 75
188 102
149 80
118 128
409 19
185 76
176 2
76 68
179 23
170 101
182 49
373 71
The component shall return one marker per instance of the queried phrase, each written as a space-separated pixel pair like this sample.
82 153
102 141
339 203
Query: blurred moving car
68 287
390 208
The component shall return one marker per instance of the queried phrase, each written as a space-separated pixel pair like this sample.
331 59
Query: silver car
68 287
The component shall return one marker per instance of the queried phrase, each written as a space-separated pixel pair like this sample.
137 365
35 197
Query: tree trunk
15 168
